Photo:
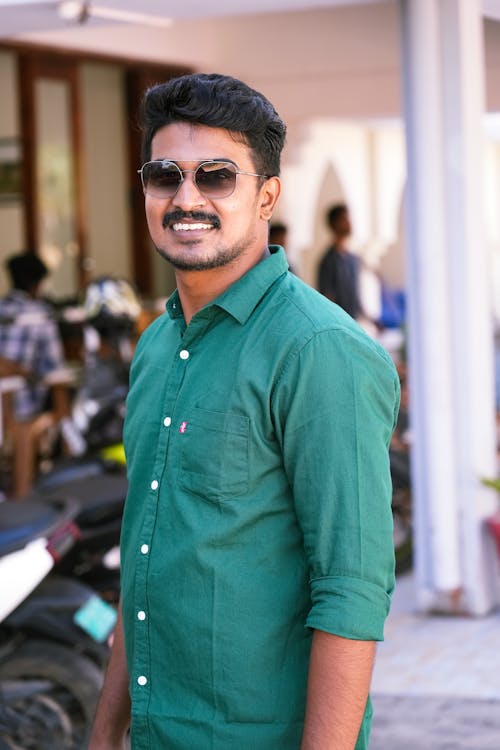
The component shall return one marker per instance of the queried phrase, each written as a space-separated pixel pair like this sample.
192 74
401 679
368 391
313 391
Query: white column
470 279
450 324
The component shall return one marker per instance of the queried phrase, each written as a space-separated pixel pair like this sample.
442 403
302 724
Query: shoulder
306 311
322 332
149 344
151 334
9 305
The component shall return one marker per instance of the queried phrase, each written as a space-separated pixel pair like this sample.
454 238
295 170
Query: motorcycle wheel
60 714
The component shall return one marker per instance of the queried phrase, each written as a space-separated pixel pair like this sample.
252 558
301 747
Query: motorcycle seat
25 520
100 498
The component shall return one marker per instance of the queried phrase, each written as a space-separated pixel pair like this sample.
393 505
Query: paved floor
436 683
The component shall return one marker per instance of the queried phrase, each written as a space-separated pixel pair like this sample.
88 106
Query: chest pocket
215 455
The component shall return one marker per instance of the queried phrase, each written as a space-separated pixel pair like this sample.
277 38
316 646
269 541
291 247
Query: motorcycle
94 559
53 631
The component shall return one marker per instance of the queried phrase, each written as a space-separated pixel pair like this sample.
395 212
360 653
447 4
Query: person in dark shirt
278 233
338 277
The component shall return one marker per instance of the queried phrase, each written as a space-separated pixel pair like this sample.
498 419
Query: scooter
53 631
95 558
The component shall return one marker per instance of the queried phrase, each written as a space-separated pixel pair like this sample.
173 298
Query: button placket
142 665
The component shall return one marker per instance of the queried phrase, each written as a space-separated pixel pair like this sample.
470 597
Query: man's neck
199 288
341 244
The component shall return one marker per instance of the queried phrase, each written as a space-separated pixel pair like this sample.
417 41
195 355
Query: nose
188 196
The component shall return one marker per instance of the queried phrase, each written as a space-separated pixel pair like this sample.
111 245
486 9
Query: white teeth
190 227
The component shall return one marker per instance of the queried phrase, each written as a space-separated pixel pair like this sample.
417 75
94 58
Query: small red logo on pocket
183 427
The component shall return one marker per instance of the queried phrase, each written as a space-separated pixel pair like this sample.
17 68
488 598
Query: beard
187 262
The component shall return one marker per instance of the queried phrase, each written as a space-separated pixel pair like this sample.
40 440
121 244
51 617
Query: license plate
97 618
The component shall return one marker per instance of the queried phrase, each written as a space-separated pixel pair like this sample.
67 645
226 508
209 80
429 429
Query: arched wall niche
361 163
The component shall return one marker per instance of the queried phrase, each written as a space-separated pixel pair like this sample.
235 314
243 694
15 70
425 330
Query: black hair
217 101
276 231
26 270
278 226
335 212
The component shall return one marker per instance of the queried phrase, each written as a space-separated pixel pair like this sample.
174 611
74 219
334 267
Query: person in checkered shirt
29 337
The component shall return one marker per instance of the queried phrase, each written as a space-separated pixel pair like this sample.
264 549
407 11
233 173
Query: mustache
176 216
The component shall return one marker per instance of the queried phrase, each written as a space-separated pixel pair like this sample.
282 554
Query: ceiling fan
77 12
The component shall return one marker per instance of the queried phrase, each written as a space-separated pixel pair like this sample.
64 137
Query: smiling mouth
190 221
181 227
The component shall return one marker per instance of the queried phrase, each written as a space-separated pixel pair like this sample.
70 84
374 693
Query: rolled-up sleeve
336 403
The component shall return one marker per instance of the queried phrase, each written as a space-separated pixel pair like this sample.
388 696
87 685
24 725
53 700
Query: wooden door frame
33 66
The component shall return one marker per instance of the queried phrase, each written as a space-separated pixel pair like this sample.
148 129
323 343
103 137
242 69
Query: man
257 554
338 276
29 338
278 233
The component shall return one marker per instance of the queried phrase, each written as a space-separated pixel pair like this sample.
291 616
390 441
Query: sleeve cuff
348 607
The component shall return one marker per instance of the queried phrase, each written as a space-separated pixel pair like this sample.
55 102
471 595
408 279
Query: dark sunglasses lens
160 179
216 179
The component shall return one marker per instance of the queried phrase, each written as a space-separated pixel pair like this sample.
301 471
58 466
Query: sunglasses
213 179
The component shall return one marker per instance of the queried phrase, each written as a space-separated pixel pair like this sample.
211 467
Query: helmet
111 303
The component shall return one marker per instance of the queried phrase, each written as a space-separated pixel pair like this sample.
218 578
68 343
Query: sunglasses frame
182 172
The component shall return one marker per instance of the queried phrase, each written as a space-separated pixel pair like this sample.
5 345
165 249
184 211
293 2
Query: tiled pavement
436 684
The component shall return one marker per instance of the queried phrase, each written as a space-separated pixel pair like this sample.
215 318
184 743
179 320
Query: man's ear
269 194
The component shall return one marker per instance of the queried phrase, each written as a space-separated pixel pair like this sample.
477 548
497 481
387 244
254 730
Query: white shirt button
145 549
142 680
167 421
154 484
141 615
184 354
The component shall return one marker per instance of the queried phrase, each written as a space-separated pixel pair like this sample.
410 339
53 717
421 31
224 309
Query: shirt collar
243 296
173 306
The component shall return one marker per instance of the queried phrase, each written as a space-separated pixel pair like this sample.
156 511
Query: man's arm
113 711
339 679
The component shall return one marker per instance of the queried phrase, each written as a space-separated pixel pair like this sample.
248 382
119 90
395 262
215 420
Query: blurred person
257 549
29 337
339 269
278 233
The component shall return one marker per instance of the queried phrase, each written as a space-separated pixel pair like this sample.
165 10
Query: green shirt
259 508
